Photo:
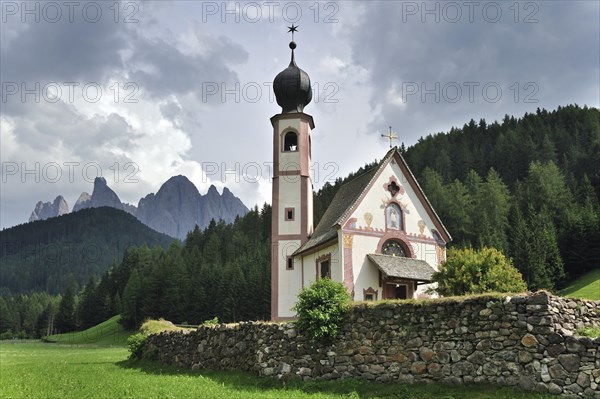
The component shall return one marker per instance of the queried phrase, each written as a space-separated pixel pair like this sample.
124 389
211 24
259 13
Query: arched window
290 142
393 217
393 248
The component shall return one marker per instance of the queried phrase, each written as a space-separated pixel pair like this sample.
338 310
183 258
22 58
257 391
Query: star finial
292 29
390 136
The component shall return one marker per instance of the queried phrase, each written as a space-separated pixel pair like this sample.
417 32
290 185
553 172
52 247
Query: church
380 236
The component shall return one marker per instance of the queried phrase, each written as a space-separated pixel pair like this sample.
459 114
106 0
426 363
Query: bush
468 271
136 343
157 326
212 322
321 308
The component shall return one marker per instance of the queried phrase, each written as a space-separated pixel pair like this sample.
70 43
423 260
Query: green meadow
31 370
94 364
585 287
108 333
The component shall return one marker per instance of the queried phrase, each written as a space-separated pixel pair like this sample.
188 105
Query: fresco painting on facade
368 219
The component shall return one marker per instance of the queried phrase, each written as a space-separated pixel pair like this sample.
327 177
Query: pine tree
65 317
537 255
131 315
492 208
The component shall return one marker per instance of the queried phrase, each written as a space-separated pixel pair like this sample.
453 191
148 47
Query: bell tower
292 200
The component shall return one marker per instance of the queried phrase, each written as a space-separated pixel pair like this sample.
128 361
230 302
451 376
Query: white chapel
380 236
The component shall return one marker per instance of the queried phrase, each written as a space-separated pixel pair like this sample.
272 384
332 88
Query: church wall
375 201
366 275
524 340
310 264
369 228
290 281
289 196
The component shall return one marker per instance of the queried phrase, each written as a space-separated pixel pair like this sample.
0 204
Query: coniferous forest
527 186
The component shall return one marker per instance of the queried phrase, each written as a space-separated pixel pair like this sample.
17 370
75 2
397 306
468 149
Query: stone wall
526 341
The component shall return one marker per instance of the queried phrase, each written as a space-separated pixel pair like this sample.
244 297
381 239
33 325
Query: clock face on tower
393 248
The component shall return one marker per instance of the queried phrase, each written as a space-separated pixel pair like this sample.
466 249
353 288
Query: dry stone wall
527 341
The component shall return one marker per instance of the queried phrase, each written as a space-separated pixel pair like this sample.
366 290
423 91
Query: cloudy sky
142 91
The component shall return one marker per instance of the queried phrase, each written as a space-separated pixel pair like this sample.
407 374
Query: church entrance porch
400 276
398 289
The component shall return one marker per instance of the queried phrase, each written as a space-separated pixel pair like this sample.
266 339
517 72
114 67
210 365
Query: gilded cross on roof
391 136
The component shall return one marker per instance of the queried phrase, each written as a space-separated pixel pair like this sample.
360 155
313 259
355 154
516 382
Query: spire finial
292 29
391 136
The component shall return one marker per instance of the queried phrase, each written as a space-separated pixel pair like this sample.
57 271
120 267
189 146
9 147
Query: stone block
529 341
570 362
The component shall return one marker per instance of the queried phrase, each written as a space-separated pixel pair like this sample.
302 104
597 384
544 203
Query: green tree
491 210
470 271
131 315
65 317
460 211
321 307
536 253
87 309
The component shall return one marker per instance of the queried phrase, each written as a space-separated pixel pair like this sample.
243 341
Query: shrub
468 271
212 322
321 308
158 326
136 343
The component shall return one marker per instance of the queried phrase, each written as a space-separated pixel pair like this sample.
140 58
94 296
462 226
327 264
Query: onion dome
292 87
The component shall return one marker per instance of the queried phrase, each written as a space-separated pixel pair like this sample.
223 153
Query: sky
138 92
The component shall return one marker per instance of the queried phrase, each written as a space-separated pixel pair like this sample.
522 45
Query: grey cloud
65 51
559 53
162 69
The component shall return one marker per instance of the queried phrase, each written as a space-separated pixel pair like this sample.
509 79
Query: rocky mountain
178 207
45 210
129 208
101 196
174 210
81 202
220 207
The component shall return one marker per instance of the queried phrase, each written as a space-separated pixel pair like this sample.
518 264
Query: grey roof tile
400 267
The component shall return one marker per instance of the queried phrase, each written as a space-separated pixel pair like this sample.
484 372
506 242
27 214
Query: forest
40 256
527 186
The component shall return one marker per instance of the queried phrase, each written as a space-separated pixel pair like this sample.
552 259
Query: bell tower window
290 142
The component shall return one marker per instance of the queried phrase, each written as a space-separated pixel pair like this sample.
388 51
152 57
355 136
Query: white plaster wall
372 202
365 273
310 206
290 281
337 265
289 196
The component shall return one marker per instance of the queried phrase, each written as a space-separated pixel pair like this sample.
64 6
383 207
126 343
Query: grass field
108 333
585 287
46 371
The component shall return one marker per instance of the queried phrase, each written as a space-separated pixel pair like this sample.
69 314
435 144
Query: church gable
394 202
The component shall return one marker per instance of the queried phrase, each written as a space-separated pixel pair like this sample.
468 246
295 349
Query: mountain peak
101 196
45 210
100 181
212 190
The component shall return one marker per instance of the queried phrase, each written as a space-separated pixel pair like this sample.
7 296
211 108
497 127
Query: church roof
350 194
400 267
346 196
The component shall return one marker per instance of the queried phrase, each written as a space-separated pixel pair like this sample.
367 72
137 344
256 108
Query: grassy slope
585 287
108 333
37 370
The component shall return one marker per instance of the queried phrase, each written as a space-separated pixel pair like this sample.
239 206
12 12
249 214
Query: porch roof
400 267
